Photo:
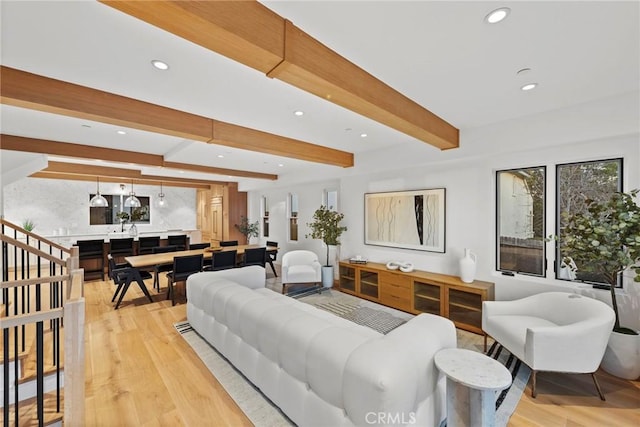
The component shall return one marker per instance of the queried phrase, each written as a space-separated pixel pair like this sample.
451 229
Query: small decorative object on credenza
404 266
357 260
468 266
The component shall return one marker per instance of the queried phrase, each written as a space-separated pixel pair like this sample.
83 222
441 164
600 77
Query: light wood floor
140 372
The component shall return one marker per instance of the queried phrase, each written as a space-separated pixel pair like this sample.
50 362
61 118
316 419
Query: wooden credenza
419 292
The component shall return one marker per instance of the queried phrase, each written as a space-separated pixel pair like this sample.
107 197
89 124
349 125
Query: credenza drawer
395 279
395 301
395 290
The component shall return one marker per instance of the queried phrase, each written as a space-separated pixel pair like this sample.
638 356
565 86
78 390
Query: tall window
293 217
264 209
520 196
330 199
576 182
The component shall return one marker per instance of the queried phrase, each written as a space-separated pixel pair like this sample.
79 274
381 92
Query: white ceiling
440 54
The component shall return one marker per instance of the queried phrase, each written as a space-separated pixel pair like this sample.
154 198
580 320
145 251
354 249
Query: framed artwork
406 219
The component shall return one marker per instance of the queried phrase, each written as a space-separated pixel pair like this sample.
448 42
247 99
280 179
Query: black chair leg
273 268
123 292
144 289
115 294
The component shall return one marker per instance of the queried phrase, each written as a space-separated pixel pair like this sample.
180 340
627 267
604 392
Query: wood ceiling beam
91 171
250 33
27 90
72 177
64 149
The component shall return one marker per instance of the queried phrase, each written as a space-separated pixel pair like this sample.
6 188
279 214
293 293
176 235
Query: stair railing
28 262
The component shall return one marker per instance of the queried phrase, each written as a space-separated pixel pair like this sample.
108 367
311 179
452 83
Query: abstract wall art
406 219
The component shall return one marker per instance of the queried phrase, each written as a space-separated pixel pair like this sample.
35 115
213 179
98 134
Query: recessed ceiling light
160 65
529 86
121 132
220 156
523 71
497 15
86 126
180 171
363 135
298 113
280 165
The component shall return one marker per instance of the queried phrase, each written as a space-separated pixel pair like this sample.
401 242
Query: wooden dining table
151 260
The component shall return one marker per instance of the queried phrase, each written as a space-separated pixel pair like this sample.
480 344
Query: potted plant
248 229
28 224
326 227
137 214
123 217
606 235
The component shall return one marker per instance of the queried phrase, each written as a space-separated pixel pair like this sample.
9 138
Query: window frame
497 222
557 215
292 217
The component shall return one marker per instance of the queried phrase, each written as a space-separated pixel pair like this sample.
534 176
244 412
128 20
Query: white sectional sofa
320 369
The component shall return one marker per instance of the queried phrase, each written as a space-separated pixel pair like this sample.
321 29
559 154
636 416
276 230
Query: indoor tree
606 235
326 227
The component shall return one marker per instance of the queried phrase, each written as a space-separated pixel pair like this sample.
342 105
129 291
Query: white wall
54 204
309 199
470 191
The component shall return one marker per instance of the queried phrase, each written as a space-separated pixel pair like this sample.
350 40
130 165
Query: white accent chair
300 267
552 331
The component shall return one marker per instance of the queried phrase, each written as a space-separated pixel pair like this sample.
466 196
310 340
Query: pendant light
132 201
161 201
98 201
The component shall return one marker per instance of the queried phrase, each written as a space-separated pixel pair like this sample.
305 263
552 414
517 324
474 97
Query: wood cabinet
219 208
419 292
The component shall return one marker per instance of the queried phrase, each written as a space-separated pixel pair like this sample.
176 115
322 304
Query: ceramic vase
468 266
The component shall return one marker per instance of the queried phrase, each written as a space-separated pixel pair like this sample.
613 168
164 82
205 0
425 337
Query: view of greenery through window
577 182
520 225
521 230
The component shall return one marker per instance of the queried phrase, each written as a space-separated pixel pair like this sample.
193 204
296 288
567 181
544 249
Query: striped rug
375 319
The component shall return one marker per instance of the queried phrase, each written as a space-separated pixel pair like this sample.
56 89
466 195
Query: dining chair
272 255
146 244
120 248
222 260
183 267
161 268
181 241
199 246
254 256
122 276
229 243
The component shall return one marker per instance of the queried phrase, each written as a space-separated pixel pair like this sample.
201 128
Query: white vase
327 276
468 266
622 356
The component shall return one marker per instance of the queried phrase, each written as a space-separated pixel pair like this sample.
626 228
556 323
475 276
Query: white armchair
552 331
300 267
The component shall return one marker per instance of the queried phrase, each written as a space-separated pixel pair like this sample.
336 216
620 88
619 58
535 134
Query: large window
293 217
520 196
575 183
109 215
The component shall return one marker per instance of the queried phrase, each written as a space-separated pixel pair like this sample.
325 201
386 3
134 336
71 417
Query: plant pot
622 356
327 276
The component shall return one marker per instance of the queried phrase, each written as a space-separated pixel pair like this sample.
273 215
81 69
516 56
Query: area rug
263 413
